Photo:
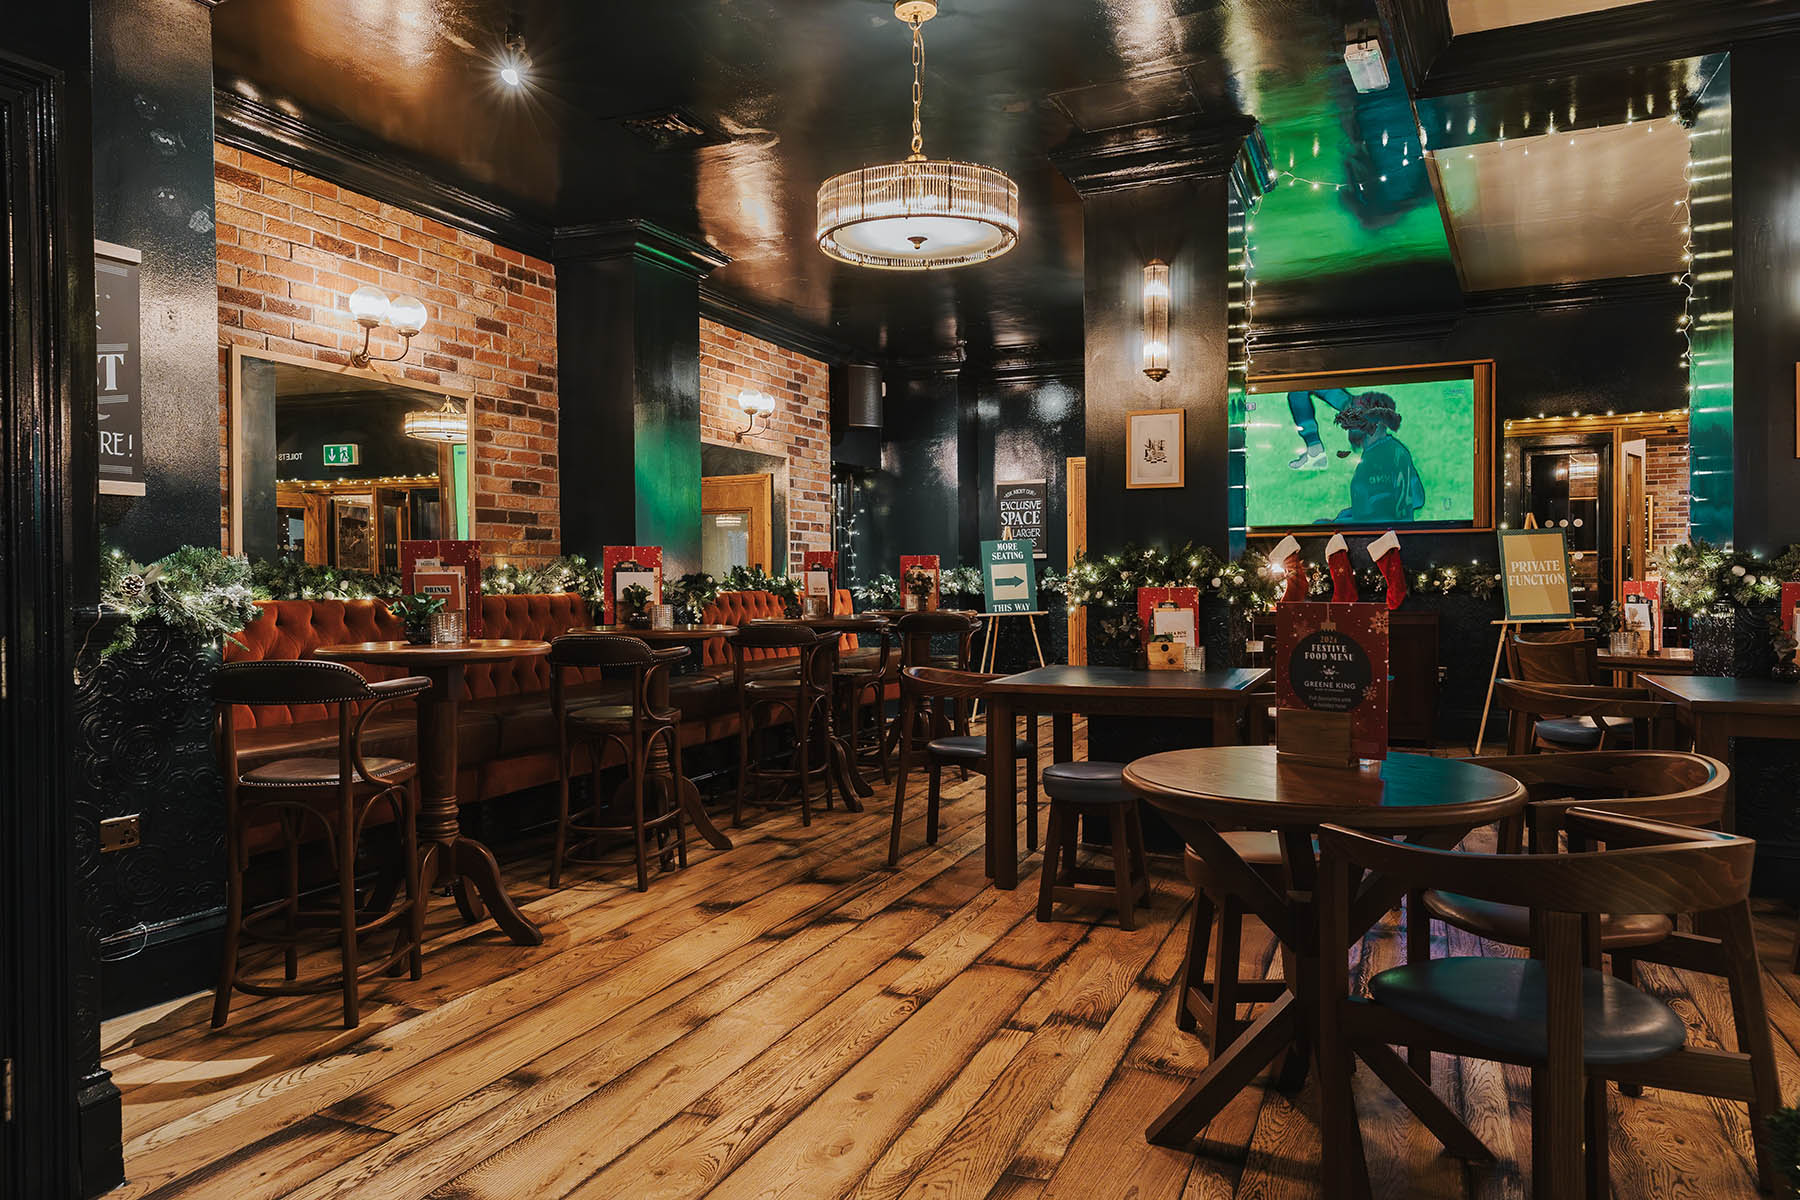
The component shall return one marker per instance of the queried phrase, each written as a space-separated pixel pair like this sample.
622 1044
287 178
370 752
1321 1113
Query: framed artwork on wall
1156 448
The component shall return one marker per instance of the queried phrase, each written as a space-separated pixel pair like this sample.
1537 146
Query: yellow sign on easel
1534 576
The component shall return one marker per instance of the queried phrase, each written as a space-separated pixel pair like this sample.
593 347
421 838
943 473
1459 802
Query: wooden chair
915 632
1211 1009
1680 789
634 727
1565 710
1555 1012
339 792
1094 789
805 696
935 698
862 693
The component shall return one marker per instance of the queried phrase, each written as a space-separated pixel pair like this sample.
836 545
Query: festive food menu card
1174 612
451 569
821 560
1333 658
1790 601
1644 609
929 564
623 566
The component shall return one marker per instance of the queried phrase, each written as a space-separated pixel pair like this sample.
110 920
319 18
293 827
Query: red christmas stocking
1385 550
1285 560
1343 579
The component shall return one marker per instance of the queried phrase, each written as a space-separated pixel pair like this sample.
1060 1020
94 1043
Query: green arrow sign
1009 583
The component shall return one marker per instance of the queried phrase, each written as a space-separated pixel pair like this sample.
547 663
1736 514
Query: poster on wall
119 369
1008 578
450 569
1021 506
1333 659
1534 573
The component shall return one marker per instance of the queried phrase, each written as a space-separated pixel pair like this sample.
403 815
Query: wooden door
1633 514
737 517
1077 489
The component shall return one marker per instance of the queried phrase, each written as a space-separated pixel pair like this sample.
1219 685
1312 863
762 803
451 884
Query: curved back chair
930 698
1553 656
915 631
340 793
803 697
1545 670
635 727
1554 1013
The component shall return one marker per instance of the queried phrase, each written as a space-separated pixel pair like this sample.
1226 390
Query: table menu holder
1314 739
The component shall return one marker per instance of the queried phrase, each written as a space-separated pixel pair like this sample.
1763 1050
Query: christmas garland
195 590
1698 575
1113 580
570 573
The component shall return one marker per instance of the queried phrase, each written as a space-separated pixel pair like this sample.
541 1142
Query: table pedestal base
474 878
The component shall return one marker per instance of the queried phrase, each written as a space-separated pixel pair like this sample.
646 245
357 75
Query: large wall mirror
337 466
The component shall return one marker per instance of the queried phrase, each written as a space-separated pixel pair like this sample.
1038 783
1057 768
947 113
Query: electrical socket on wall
120 833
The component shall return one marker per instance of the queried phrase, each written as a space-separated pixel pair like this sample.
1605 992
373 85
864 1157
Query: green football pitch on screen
1427 478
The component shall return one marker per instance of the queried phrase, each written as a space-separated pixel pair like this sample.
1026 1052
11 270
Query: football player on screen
1386 488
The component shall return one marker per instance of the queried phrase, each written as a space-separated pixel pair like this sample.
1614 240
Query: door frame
758 492
63 1138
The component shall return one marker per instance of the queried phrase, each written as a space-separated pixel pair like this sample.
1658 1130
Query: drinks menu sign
447 569
1534 570
1333 658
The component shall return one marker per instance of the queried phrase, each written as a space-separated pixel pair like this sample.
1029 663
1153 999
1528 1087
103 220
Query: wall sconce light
372 309
754 404
1156 319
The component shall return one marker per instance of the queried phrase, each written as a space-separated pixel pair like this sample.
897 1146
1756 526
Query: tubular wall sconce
1156 319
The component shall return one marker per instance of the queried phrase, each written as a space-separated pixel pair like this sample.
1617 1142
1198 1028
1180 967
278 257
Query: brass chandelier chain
918 88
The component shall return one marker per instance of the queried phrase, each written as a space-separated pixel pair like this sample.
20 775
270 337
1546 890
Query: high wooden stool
1212 1008
803 696
339 792
1097 789
861 685
635 727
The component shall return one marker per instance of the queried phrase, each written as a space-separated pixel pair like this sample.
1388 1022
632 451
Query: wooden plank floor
792 1019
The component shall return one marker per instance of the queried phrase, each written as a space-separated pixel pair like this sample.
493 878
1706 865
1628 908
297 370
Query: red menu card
1334 658
929 562
622 566
1643 602
819 575
1183 622
450 569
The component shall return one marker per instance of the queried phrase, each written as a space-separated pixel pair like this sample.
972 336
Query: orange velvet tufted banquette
533 618
734 608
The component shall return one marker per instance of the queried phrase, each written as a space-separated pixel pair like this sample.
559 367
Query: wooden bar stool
634 727
339 793
804 696
1096 789
1211 1009
862 693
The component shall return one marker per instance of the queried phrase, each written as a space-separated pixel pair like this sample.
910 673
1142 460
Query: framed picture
1155 448
355 532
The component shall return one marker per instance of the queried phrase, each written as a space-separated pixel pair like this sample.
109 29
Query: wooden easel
988 647
1506 624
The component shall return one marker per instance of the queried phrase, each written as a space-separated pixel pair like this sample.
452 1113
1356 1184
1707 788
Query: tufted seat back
528 618
734 608
291 629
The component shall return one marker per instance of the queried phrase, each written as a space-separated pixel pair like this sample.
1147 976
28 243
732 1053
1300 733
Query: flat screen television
1389 448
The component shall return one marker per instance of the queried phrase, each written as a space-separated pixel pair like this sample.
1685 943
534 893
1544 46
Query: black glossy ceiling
791 91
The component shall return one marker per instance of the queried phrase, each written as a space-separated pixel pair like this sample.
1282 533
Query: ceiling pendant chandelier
920 214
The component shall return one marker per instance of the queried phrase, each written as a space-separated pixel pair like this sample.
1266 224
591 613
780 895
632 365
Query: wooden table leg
1271 1034
1002 796
448 856
1062 737
1225 723
658 770
1712 737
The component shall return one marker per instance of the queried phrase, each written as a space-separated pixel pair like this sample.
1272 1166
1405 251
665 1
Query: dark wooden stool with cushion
635 725
861 684
1096 788
1212 1008
1554 1012
340 793
803 695
935 698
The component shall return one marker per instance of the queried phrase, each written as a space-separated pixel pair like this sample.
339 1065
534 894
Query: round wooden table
843 762
447 856
1432 801
696 637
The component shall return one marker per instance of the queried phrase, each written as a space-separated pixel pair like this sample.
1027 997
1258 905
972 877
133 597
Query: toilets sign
1008 578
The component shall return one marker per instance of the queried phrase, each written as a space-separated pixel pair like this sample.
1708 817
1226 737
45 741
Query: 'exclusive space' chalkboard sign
1022 505
119 369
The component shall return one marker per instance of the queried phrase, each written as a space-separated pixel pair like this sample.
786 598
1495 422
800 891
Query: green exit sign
348 454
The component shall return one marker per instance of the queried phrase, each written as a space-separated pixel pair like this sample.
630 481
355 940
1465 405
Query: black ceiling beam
746 316
249 125
1626 289
1186 147
1658 31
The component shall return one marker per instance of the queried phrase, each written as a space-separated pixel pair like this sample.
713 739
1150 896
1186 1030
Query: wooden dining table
1434 802
446 854
1220 697
1714 710
695 637
1624 667
849 779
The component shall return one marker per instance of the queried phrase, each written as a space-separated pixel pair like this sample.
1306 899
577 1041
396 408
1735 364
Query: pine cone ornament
132 586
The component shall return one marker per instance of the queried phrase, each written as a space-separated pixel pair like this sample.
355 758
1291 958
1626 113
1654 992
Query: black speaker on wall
862 408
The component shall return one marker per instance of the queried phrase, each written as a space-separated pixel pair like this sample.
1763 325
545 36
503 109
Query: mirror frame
234 456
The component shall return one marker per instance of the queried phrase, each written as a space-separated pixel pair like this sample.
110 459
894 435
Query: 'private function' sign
119 369
1534 567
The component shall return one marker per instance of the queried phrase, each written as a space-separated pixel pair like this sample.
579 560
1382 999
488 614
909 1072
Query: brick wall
799 429
1666 479
291 250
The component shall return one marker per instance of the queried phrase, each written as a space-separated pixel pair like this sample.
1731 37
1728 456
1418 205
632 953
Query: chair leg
638 833
1140 860
931 802
347 917
1053 846
415 889
1557 1118
1193 967
1418 951
560 847
1225 1025
745 716
234 924
1124 887
1597 1152
291 830
676 779
1031 803
803 761
1743 976
1624 969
